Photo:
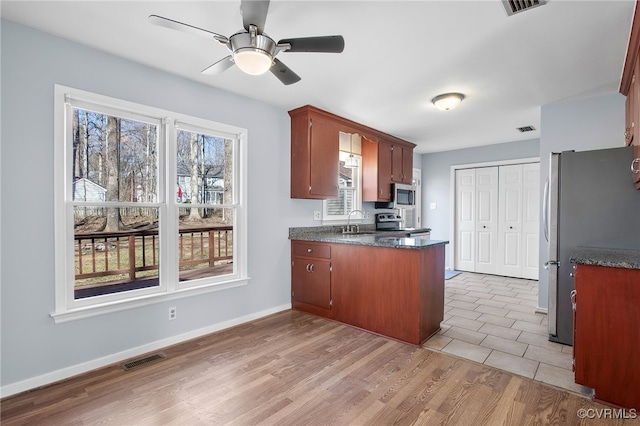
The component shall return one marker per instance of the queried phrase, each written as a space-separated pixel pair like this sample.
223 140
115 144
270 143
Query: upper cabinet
314 155
630 87
315 141
402 163
376 170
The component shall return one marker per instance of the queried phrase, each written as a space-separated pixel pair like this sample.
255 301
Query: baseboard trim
540 310
68 372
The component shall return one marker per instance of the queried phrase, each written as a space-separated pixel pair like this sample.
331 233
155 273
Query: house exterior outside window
349 181
149 205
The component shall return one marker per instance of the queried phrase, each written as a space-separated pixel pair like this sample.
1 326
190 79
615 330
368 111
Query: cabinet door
607 313
385 170
632 133
407 165
311 281
396 163
323 158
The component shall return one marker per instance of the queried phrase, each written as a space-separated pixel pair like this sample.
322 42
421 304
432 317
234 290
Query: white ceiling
398 55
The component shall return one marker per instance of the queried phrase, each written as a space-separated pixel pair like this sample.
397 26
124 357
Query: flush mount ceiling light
447 101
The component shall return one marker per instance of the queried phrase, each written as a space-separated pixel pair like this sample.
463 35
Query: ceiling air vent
515 6
526 129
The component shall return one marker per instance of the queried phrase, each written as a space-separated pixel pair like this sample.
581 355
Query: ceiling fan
252 50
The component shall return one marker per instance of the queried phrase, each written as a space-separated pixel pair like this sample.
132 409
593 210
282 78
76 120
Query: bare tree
112 166
227 197
193 162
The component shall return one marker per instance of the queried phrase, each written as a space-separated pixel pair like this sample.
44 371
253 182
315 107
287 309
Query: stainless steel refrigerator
589 200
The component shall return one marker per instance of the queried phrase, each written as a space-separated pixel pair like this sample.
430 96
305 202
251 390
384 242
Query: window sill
121 305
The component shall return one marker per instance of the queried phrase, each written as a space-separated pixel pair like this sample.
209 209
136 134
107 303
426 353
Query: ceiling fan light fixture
252 61
447 101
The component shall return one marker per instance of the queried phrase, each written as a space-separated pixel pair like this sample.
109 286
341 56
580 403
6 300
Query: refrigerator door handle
551 263
545 211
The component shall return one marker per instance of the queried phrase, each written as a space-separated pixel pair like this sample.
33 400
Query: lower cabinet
311 277
606 333
394 292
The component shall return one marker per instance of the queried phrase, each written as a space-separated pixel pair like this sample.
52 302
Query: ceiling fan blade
324 44
186 28
254 12
284 73
219 67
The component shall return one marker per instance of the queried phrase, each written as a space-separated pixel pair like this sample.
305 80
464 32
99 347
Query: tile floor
493 320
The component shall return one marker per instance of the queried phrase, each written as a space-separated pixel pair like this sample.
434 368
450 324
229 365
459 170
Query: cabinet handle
308 267
311 268
309 250
627 135
573 300
633 163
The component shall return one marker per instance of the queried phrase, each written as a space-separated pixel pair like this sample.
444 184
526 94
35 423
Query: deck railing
103 254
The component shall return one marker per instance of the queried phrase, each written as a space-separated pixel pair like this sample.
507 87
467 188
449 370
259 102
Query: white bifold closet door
487 220
497 220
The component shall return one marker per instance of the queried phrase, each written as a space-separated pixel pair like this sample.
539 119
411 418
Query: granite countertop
367 237
599 256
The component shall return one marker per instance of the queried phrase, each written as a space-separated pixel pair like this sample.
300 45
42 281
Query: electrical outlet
367 215
172 313
317 215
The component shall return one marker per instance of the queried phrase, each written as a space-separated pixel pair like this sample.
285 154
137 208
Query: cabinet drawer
322 251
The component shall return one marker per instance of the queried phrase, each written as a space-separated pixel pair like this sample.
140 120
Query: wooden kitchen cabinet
315 145
315 142
630 87
376 170
311 277
398 293
383 163
606 335
402 164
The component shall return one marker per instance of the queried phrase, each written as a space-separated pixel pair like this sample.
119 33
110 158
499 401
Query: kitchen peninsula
382 282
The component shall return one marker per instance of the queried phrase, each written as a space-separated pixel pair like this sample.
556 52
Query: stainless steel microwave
403 195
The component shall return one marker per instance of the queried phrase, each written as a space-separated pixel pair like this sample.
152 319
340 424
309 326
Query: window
148 205
349 180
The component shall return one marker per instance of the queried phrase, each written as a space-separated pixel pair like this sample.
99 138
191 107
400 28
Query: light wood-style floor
296 369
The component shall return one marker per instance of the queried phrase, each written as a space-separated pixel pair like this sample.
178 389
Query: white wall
34 349
436 181
584 124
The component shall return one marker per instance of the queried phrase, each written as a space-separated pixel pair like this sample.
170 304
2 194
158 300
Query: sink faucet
348 229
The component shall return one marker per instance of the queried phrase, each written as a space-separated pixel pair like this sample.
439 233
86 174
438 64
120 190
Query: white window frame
326 217
68 308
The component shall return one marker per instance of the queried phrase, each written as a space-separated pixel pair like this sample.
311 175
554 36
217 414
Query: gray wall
436 181
581 124
33 347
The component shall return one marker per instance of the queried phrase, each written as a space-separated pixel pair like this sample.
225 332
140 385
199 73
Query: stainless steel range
395 222
388 222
